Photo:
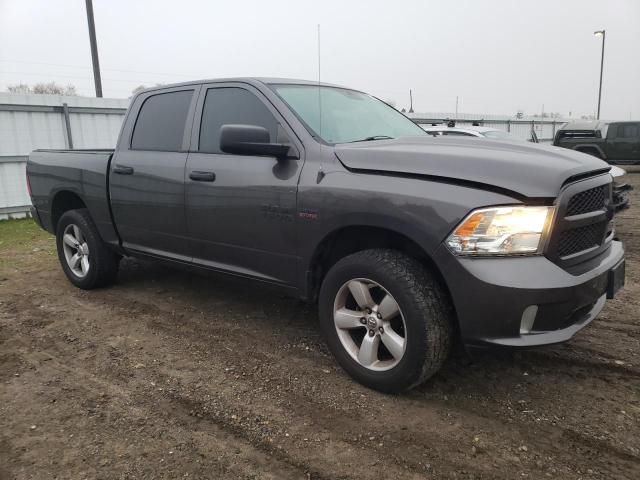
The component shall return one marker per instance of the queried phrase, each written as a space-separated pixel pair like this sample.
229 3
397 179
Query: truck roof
585 125
593 125
250 80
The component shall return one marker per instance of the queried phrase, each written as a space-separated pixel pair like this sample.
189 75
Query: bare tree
51 88
19 88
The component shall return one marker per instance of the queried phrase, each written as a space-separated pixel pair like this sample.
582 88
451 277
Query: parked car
406 242
470 131
614 142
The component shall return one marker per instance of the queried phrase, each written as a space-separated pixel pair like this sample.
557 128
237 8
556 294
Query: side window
629 131
161 121
232 105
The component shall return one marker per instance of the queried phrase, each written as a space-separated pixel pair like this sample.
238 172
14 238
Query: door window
232 106
161 122
629 131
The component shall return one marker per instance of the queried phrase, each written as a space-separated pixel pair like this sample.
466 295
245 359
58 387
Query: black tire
103 262
426 309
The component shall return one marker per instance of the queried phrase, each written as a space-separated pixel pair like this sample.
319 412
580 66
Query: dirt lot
173 375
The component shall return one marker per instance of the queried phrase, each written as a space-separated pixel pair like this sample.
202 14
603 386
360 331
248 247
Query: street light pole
599 33
94 48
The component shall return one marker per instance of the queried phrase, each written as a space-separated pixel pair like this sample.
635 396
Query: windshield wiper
373 137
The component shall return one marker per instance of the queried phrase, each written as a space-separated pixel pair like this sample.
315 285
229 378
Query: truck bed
80 172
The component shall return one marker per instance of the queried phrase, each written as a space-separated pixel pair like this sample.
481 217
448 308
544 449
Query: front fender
424 211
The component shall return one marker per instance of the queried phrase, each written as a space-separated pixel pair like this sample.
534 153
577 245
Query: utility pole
94 48
410 101
600 33
456 107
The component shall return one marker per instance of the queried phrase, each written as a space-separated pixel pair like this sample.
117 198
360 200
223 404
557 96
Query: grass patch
22 235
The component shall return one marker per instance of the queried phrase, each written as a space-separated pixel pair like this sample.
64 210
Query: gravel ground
173 375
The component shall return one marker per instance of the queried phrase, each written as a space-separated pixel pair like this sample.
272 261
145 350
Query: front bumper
490 296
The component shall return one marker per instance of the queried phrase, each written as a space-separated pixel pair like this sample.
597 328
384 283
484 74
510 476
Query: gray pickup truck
406 242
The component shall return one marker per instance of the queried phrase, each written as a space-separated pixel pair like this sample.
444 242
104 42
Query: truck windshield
339 115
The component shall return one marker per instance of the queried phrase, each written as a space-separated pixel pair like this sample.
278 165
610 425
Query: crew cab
614 142
406 242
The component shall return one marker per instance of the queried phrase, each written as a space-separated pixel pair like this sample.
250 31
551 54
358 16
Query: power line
53 75
105 69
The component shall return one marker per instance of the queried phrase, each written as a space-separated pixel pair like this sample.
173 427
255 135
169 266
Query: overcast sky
498 56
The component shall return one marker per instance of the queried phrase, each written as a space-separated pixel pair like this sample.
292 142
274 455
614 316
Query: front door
241 209
147 174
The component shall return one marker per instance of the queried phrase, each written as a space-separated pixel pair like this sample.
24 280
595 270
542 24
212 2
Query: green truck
614 142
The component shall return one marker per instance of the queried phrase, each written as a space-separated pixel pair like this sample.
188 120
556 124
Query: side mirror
250 140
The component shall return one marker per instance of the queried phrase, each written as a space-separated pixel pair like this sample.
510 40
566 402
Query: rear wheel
87 262
386 320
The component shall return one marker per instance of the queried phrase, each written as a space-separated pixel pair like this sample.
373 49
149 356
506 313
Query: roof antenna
319 70
321 173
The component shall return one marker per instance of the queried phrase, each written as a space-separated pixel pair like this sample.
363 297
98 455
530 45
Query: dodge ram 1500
405 241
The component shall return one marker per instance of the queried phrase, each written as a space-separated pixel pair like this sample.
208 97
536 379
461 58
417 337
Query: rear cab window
161 122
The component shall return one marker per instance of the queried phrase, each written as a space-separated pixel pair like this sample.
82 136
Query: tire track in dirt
247 461
154 313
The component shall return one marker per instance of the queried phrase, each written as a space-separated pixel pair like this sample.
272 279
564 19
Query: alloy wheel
76 250
370 324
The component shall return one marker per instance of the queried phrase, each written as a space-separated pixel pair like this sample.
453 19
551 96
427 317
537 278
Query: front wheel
87 262
386 319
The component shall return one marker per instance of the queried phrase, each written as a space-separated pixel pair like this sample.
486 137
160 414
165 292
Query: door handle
123 170
202 176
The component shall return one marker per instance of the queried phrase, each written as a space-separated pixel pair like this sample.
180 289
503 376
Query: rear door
147 173
624 142
241 209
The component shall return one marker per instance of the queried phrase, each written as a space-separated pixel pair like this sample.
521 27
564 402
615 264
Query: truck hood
529 170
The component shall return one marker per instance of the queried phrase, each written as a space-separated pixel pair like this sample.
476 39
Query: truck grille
580 239
587 201
582 227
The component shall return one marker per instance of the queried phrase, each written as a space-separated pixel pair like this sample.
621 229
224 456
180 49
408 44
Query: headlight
502 231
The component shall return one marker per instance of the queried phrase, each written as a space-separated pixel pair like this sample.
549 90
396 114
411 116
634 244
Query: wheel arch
591 149
346 240
63 201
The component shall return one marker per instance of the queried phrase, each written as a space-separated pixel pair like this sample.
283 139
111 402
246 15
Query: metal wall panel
29 122
14 199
